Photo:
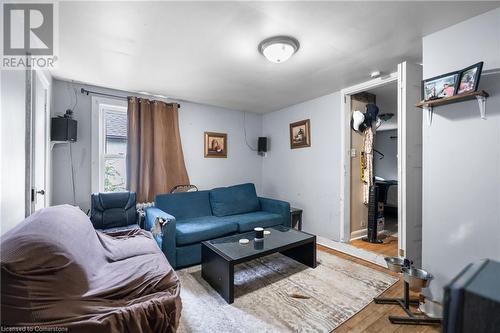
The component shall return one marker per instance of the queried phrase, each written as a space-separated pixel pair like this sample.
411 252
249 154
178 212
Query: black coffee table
219 256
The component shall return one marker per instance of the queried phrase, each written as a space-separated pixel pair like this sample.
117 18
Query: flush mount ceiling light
279 49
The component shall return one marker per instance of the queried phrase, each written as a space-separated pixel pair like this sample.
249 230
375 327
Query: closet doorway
408 120
383 237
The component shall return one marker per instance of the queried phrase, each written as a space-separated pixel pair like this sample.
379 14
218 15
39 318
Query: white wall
387 102
387 167
309 178
461 156
242 164
13 92
466 43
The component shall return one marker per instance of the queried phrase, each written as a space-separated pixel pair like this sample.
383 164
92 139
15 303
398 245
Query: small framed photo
215 144
440 86
469 78
300 134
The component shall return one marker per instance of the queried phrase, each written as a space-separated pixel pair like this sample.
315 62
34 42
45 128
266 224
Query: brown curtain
155 161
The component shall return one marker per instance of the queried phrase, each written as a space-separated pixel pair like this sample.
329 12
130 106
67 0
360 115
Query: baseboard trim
352 251
359 234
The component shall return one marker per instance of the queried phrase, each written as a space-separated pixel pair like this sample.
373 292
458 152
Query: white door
410 162
39 195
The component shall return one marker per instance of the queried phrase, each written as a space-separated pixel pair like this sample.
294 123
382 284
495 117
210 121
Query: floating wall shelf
480 96
53 143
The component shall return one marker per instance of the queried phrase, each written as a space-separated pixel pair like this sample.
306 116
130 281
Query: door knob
42 192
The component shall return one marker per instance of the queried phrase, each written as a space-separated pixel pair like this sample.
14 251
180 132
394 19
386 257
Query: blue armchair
113 211
193 217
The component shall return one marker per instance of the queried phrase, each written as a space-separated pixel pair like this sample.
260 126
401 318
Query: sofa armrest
166 241
278 207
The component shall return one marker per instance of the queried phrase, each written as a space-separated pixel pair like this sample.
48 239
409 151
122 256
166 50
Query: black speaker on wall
63 129
262 145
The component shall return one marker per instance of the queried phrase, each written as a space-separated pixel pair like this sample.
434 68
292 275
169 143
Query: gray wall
461 156
12 118
387 102
242 164
309 178
386 167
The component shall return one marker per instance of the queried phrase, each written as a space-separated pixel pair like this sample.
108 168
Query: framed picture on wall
469 78
300 134
215 144
440 86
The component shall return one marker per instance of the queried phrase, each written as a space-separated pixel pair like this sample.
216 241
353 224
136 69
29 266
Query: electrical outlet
363 223
353 152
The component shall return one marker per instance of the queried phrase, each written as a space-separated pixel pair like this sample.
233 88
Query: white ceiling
206 52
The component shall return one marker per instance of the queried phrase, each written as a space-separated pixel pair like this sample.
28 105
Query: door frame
32 78
345 150
28 141
403 164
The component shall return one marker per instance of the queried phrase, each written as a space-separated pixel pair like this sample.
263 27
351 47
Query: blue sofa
194 217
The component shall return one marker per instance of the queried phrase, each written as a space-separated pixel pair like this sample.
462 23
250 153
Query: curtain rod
87 92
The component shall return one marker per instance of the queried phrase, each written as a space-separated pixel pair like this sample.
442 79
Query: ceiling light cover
279 49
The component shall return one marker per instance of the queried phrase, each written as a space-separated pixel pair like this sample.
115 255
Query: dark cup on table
258 245
259 233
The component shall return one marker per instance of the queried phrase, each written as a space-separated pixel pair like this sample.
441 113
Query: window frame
98 139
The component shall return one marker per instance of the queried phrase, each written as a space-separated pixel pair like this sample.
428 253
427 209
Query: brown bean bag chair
58 271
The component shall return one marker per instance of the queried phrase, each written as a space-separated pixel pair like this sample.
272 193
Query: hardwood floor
373 318
389 247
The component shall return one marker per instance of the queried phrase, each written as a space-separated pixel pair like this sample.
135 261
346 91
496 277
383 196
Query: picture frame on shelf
440 86
469 78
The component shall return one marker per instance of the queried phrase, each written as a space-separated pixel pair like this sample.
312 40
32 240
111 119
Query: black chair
114 211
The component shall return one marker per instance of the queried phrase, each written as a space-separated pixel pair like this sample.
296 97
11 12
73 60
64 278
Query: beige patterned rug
332 292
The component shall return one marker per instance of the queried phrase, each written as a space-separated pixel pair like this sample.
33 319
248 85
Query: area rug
278 294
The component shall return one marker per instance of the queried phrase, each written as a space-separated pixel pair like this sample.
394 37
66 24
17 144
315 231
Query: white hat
358 118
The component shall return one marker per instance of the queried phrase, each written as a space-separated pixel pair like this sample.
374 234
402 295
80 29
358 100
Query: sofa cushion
185 205
234 200
246 222
198 229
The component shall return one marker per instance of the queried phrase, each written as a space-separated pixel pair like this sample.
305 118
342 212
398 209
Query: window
115 150
109 145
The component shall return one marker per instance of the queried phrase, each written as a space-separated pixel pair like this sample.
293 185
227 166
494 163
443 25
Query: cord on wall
71 107
76 98
70 111
72 173
245 132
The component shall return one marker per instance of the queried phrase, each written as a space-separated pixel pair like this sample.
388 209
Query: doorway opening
409 166
374 206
